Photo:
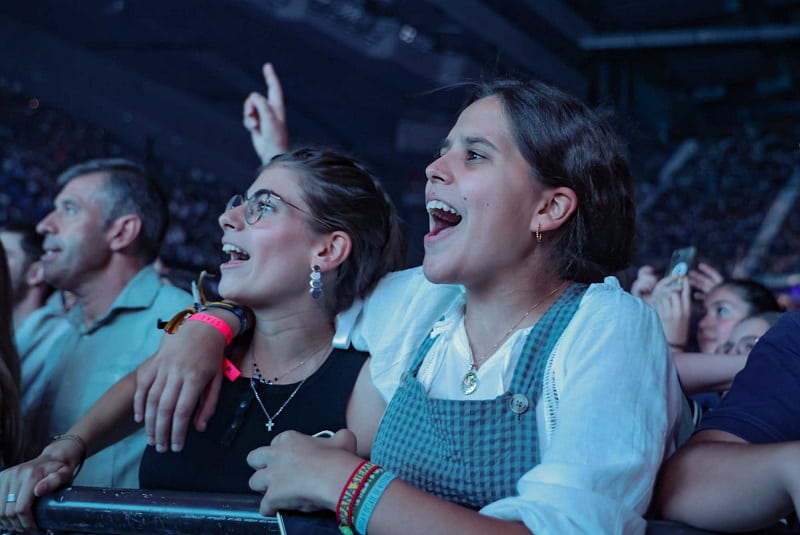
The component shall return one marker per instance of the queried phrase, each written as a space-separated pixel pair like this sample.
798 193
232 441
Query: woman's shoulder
606 308
608 296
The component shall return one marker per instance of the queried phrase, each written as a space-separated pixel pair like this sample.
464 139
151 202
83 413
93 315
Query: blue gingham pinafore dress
472 452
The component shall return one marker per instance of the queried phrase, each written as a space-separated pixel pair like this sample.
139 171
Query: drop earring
538 233
315 282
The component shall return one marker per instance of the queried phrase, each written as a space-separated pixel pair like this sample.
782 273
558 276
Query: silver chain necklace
271 418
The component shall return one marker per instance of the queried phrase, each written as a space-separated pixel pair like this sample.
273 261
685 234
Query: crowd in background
715 197
713 194
37 143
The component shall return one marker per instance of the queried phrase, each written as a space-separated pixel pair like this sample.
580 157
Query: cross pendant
269 425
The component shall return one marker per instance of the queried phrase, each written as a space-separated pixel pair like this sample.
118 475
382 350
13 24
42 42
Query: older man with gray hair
104 231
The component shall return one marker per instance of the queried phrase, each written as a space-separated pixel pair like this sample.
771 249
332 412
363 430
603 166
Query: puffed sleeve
393 321
611 413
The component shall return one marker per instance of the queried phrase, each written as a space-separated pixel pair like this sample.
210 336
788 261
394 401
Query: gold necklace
469 383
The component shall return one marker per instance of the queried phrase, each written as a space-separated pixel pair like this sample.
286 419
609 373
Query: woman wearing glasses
526 391
314 232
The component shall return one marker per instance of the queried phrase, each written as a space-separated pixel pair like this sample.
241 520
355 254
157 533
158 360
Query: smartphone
681 263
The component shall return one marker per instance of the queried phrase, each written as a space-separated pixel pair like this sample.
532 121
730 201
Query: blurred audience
28 288
10 418
39 321
741 470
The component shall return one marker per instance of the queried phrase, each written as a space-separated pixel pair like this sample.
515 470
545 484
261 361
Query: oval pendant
469 382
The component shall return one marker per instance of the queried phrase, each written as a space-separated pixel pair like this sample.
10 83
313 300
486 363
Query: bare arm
364 411
265 118
106 422
719 482
169 385
702 372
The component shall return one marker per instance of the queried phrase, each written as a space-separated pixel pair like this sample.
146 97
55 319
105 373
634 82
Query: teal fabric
38 337
93 358
472 452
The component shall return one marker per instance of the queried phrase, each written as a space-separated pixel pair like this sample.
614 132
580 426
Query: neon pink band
217 323
230 370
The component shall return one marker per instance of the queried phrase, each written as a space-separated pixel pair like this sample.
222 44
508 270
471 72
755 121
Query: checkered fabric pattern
471 452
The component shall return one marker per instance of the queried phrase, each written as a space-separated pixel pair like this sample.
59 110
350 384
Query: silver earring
315 283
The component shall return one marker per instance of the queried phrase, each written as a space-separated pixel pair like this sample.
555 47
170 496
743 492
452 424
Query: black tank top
215 460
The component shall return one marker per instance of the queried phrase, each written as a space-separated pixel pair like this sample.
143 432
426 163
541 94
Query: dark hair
343 195
758 297
567 144
10 418
129 190
29 240
771 317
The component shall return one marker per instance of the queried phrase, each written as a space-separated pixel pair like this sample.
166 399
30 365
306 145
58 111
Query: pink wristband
217 323
230 370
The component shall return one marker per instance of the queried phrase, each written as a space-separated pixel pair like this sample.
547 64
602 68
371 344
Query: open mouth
235 252
49 252
442 216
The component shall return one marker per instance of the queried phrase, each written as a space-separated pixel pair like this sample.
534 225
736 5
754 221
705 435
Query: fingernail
161 448
137 418
176 447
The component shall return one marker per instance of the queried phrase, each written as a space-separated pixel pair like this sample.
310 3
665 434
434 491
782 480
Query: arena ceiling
171 74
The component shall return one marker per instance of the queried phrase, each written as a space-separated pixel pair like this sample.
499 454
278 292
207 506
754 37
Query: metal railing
138 512
131 511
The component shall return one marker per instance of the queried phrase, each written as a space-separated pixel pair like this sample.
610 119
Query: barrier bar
133 511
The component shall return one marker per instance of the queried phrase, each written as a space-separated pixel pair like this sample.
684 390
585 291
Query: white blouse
609 407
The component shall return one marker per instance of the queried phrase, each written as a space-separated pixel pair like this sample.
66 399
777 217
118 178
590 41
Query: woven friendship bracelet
362 492
371 468
348 493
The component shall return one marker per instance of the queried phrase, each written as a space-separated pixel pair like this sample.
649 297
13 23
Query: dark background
705 93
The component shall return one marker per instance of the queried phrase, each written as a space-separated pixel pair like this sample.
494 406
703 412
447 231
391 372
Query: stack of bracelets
196 313
360 496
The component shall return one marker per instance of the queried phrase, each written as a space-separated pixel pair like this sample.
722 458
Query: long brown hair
10 418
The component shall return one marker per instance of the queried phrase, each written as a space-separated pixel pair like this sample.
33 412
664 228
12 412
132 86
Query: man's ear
558 206
333 250
34 275
123 231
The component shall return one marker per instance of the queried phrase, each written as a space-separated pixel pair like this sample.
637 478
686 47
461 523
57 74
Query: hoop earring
538 233
315 282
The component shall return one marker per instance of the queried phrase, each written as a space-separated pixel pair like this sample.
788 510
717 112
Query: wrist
238 318
329 490
69 448
218 324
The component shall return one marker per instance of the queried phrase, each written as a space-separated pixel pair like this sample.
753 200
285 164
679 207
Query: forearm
729 486
700 372
110 419
405 509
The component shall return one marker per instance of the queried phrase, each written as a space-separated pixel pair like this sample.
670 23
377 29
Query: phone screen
681 262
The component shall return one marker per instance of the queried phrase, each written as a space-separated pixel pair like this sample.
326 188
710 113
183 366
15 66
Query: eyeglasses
261 202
